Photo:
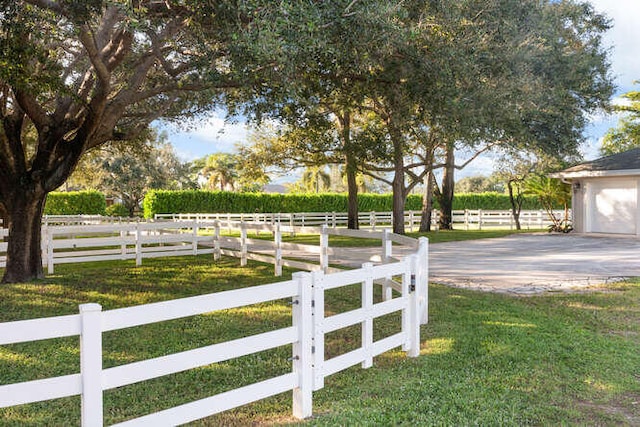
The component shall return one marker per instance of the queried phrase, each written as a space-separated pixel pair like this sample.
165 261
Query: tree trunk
352 194
397 185
24 252
446 198
351 171
516 204
427 203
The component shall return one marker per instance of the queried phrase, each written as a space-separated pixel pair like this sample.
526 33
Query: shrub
75 203
195 201
117 209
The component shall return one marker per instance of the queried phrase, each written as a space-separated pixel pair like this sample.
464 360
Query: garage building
606 194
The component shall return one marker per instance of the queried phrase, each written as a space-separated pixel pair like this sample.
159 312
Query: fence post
91 364
413 319
138 244
302 318
411 218
291 224
195 238
333 219
50 267
479 219
540 216
243 244
317 278
387 246
324 249
277 240
372 220
422 279
216 240
123 244
367 323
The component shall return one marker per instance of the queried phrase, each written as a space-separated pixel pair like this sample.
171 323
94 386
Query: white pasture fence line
140 240
272 251
467 219
310 323
118 241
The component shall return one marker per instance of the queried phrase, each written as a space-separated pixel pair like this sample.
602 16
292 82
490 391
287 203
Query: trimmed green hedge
75 203
195 201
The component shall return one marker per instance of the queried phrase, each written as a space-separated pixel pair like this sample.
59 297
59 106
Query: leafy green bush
490 201
117 209
195 201
75 203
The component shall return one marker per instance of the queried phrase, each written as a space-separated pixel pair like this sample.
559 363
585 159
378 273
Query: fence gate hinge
313 303
412 285
313 349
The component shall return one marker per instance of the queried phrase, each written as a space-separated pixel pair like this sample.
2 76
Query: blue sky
213 135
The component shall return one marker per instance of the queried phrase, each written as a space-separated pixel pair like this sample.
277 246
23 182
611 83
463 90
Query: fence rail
141 240
309 325
467 219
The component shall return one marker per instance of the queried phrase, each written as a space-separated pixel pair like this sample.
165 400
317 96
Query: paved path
533 263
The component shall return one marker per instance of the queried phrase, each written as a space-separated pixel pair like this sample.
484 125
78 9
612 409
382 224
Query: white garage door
613 206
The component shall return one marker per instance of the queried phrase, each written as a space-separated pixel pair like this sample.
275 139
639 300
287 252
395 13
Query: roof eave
595 174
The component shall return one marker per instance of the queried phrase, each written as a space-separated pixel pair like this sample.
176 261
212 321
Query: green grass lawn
344 241
486 359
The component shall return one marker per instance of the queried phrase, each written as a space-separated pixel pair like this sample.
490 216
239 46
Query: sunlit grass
486 359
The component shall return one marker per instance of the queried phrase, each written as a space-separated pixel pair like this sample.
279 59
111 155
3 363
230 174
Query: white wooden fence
310 323
117 241
140 240
466 219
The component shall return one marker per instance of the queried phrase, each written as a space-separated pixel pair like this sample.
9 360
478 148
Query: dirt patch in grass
624 410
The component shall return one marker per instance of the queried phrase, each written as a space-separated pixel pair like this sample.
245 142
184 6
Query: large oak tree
77 75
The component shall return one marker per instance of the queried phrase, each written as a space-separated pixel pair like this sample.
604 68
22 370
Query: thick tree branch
32 108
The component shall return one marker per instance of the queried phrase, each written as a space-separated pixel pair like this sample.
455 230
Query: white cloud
209 135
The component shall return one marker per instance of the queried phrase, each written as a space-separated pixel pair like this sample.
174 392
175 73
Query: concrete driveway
533 263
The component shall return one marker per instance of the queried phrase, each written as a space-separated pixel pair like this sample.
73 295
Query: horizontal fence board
267 259
215 404
166 238
178 362
39 390
403 240
344 361
387 307
387 270
159 254
230 252
311 249
168 310
355 276
39 329
386 344
396 286
355 233
342 320
71 254
74 259
91 242
260 244
300 265
187 246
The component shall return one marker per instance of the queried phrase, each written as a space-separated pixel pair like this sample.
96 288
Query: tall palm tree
221 171
315 179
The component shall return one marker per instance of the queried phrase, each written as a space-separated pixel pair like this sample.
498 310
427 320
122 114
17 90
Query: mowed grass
344 241
486 359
